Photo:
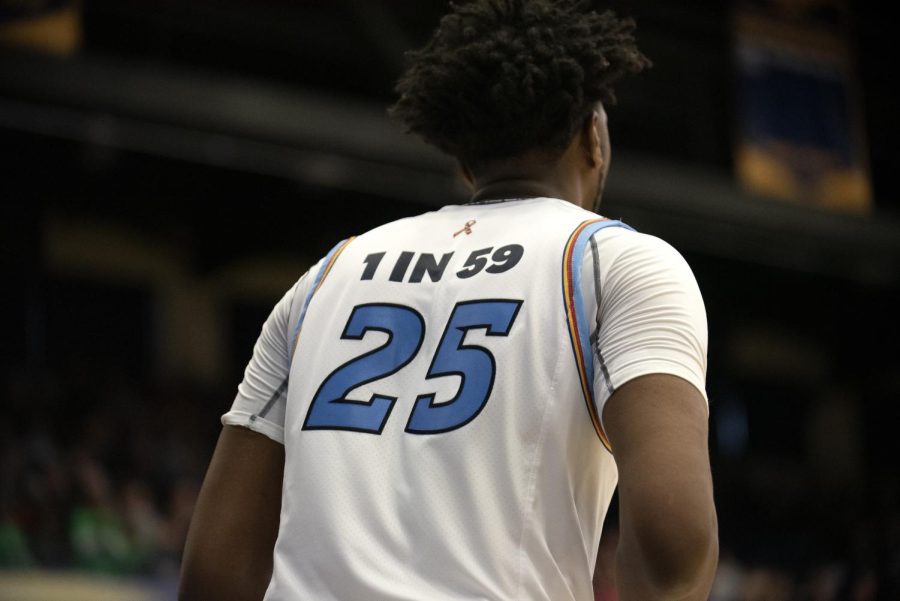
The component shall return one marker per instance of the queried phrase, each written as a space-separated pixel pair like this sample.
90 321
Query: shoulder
642 275
625 252
619 240
651 317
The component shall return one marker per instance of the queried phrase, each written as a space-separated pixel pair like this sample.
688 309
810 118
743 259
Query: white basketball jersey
441 434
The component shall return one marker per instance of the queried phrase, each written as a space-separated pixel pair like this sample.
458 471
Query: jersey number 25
405 327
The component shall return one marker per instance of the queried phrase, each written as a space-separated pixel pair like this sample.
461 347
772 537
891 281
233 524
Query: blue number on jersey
331 410
474 365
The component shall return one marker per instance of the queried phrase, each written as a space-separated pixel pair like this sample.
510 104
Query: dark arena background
170 167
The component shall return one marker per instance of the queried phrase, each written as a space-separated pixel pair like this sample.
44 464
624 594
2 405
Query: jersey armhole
327 264
576 319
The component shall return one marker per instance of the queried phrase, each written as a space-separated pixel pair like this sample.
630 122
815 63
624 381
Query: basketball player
442 407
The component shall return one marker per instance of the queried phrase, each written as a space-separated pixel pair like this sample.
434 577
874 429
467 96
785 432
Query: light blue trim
584 330
309 295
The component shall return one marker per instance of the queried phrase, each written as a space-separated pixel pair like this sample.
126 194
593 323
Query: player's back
438 437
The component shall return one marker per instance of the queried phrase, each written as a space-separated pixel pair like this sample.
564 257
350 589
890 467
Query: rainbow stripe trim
578 325
327 264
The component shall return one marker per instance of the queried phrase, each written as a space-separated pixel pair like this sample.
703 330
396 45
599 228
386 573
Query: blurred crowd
833 581
99 476
858 576
867 570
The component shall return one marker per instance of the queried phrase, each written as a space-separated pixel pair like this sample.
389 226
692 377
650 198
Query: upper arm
228 554
657 426
650 314
651 342
260 401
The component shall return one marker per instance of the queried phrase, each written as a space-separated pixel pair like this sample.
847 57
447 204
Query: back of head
500 78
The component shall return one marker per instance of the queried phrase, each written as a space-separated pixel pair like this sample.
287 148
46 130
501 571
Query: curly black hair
499 78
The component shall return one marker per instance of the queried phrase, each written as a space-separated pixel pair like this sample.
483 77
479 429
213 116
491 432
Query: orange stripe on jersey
320 278
575 334
337 252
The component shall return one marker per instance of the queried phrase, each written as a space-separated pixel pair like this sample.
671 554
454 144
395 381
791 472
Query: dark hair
499 78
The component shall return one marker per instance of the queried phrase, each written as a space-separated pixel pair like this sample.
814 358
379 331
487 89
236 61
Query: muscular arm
228 554
668 545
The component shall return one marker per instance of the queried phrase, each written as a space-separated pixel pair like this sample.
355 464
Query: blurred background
170 167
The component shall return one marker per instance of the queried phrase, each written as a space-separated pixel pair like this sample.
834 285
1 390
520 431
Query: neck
517 187
531 179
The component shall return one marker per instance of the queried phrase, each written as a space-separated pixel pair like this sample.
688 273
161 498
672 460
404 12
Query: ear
467 176
591 140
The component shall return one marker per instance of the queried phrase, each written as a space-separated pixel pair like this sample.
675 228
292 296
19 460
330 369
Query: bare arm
228 554
668 545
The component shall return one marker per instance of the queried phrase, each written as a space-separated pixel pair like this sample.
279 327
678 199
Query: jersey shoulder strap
326 264
576 319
